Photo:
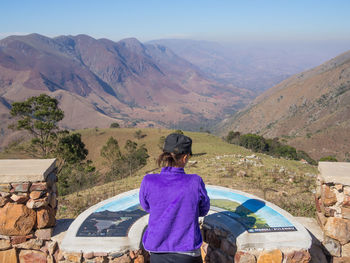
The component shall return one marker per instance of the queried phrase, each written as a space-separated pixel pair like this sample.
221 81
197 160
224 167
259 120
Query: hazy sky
220 20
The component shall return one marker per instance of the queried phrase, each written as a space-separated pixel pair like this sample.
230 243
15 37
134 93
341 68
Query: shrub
254 142
328 159
114 125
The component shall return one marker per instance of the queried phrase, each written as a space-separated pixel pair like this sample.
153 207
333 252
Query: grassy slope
218 165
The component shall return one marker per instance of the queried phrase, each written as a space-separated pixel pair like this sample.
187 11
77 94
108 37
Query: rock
345 250
241 173
5 194
341 260
73 257
338 187
88 255
45 217
5 244
321 219
204 247
20 187
328 197
33 204
301 256
100 254
329 211
99 260
318 192
204 250
36 194
38 187
18 239
58 255
123 259
52 246
244 257
346 201
16 220
8 256
32 256
132 254
338 228
45 233
345 212
332 246
19 199
34 244
5 188
318 204
346 190
274 256
253 156
4 201
139 259
50 259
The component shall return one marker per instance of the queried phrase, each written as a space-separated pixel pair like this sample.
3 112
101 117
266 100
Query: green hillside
288 184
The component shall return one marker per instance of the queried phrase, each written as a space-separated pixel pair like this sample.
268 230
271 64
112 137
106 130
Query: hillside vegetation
310 111
286 183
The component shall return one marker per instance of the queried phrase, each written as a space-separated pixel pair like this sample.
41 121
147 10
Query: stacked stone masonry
28 205
220 247
332 201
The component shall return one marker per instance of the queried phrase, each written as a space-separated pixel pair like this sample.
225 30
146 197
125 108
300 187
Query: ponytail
169 159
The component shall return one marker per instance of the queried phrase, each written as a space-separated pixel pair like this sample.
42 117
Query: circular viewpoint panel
117 224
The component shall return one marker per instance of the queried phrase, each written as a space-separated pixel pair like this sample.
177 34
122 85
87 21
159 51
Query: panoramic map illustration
115 218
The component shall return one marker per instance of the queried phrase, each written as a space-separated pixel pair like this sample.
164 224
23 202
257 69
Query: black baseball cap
178 143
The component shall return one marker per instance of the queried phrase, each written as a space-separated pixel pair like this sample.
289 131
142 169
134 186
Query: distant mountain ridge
310 110
256 66
98 81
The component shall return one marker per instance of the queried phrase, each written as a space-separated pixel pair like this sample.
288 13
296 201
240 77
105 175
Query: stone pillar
332 200
28 205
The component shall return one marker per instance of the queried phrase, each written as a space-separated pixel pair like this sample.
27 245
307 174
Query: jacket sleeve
143 196
204 201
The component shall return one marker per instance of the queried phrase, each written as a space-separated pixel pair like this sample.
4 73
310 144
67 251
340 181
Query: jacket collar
170 169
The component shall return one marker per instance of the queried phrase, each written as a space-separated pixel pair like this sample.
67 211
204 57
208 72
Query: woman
174 201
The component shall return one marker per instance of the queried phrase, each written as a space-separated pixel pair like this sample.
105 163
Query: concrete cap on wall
25 170
334 172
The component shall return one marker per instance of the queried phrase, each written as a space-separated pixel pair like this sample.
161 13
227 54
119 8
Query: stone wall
220 247
134 256
333 208
28 205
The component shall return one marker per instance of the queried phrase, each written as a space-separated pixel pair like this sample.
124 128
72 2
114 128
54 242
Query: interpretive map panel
250 219
118 223
109 223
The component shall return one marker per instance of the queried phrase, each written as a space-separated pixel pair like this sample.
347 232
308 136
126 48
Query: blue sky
220 20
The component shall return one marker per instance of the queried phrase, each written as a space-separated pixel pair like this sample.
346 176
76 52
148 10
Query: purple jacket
174 200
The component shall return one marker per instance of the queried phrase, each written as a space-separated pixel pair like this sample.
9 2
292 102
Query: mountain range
184 84
256 66
98 81
310 110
